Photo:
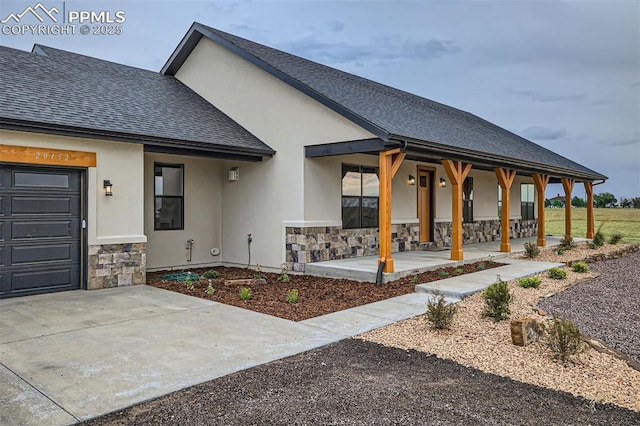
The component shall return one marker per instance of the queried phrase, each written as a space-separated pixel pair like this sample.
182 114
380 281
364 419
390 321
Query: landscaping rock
524 331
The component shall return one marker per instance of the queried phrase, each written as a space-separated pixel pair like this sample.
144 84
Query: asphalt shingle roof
64 90
402 115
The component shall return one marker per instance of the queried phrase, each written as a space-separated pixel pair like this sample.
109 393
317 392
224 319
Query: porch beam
540 181
457 171
567 184
505 180
389 163
588 187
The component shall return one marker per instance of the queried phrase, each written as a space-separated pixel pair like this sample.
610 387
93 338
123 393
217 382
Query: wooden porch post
541 182
457 171
505 179
567 184
389 162
588 187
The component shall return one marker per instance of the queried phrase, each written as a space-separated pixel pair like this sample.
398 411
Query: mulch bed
317 295
354 382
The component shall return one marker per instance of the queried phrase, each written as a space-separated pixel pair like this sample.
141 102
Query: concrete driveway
75 355
71 356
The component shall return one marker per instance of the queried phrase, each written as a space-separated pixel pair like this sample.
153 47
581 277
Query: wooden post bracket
567 184
505 179
389 162
541 181
457 171
588 188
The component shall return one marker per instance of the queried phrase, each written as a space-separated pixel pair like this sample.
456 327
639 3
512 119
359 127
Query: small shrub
598 239
459 271
292 296
443 274
210 290
531 249
211 274
557 273
440 313
567 243
616 238
560 251
188 281
414 279
580 267
496 298
482 266
284 277
245 293
563 339
529 282
259 275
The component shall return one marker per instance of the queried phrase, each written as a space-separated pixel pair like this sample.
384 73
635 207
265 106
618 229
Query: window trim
360 197
156 197
527 207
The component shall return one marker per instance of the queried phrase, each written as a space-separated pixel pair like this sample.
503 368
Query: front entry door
425 210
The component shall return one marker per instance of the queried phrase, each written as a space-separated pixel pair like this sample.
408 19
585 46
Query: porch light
412 180
106 184
443 183
234 174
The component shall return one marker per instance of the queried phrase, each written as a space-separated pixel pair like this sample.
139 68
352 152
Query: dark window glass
169 196
41 179
527 197
467 200
360 191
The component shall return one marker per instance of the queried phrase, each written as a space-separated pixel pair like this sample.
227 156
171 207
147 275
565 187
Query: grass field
622 221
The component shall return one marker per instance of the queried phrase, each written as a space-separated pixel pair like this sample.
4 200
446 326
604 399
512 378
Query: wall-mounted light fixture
443 183
107 185
412 180
234 174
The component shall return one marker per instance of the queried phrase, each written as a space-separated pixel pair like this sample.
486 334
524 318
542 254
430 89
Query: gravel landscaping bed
481 343
606 307
354 382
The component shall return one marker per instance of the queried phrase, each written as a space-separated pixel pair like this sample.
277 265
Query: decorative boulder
524 331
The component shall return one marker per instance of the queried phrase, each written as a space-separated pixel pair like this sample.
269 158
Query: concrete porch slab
414 262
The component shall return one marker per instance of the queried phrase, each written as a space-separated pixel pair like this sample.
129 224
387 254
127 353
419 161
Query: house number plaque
56 157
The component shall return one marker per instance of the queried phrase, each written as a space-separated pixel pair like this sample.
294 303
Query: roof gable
387 112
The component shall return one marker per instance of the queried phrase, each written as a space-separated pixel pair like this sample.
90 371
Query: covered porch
406 263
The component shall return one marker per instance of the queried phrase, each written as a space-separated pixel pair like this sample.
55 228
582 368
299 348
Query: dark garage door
40 230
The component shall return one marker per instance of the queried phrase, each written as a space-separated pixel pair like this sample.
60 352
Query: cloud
543 133
336 26
381 50
631 140
635 84
541 97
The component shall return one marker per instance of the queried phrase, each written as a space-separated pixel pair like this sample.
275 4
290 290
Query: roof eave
147 140
495 160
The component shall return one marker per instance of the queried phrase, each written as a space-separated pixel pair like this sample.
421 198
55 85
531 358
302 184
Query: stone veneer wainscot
317 244
115 265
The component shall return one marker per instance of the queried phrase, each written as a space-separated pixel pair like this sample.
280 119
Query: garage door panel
40 230
44 206
61 252
49 279
32 230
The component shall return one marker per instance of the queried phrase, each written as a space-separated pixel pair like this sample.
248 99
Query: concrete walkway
71 356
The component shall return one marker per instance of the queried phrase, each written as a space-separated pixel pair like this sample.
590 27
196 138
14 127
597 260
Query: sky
563 74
